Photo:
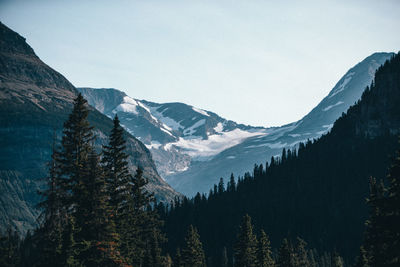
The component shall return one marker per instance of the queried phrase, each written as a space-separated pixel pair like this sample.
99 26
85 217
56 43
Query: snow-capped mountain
193 148
176 134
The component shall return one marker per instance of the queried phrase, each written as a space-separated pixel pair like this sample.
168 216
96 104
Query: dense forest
95 212
316 191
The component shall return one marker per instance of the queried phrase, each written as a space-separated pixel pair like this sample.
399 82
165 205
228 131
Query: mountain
192 148
317 192
35 100
176 134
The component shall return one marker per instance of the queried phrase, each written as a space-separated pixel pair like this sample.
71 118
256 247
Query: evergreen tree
178 261
221 186
99 230
391 208
192 253
117 173
264 253
286 255
71 162
224 258
246 245
301 254
337 261
363 260
231 184
49 233
9 249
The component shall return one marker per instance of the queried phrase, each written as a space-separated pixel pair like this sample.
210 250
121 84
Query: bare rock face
35 100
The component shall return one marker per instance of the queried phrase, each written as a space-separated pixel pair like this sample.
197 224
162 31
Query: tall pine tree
192 253
246 245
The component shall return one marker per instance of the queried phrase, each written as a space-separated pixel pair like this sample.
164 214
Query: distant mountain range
192 147
35 100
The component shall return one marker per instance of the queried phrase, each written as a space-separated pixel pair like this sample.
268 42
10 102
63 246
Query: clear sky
255 62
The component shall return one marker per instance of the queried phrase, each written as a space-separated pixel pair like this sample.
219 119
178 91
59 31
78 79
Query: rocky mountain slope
192 148
35 100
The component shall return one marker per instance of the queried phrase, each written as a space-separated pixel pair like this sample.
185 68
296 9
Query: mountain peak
12 42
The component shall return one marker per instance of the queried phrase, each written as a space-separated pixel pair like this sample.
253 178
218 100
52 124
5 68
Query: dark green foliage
99 231
382 233
246 245
363 259
10 249
178 261
286 257
264 253
192 252
224 258
117 173
301 254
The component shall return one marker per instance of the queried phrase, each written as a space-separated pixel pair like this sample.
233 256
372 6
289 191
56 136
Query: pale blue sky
255 62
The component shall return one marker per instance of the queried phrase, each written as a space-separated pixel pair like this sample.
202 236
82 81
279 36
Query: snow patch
219 128
294 135
342 86
331 106
230 157
154 145
128 105
202 112
203 150
191 130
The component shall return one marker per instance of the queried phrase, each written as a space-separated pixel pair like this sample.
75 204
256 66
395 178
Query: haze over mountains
35 100
192 148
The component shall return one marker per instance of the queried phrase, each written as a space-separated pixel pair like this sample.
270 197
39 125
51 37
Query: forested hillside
317 191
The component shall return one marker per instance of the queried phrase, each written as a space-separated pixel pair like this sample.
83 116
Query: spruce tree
246 245
301 253
391 208
118 177
71 162
178 261
224 258
99 231
286 255
48 235
231 187
264 253
192 253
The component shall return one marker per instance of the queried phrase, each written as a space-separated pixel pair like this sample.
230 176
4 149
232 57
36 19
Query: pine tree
178 261
301 253
382 234
337 261
246 245
363 260
117 173
192 253
50 230
392 214
231 184
9 249
264 253
71 162
221 186
224 258
286 255
99 231
374 240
